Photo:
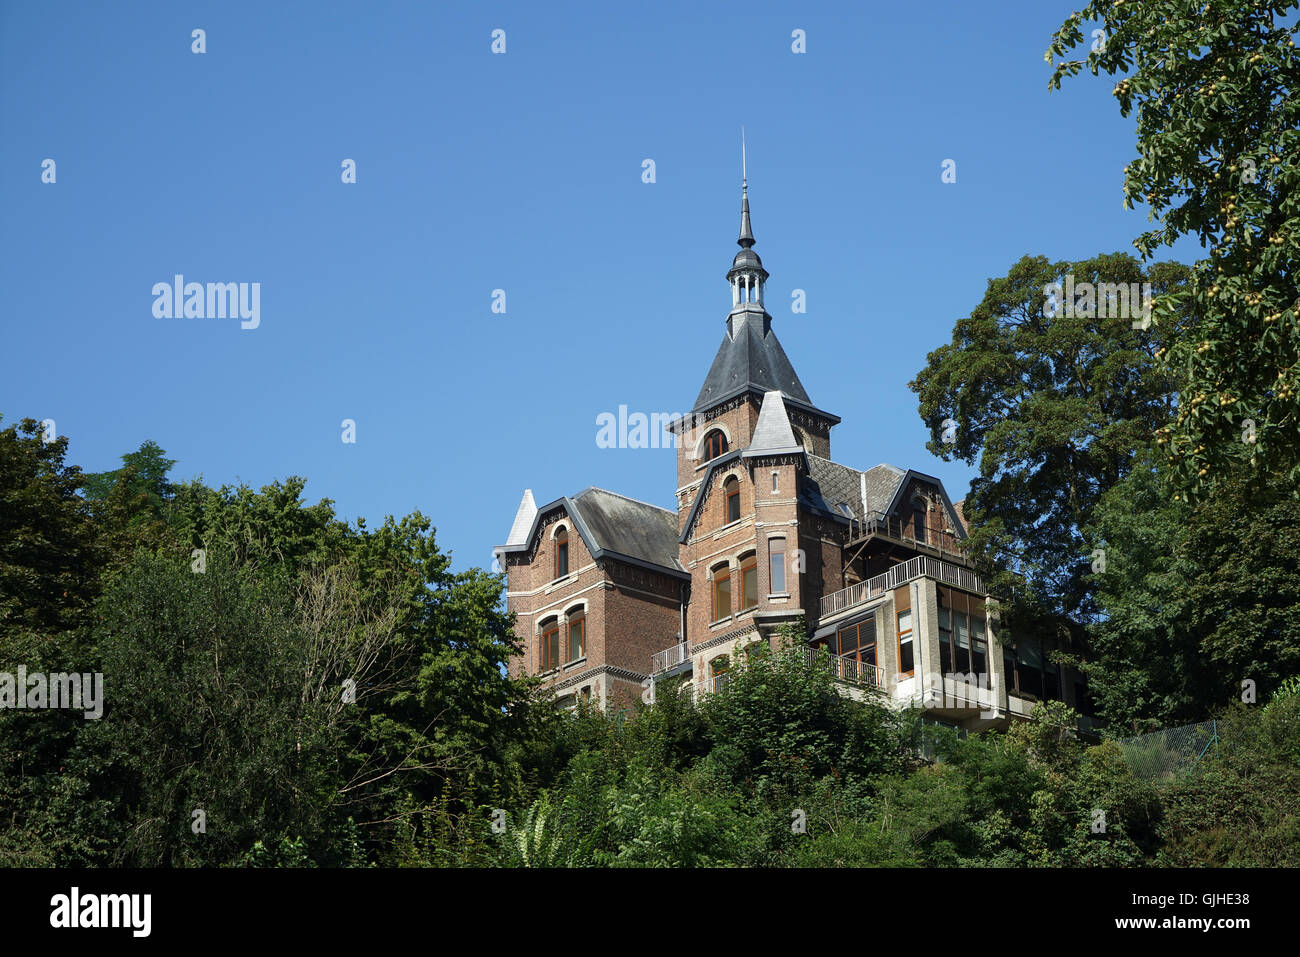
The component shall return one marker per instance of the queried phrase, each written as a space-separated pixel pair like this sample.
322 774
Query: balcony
850 670
922 566
880 525
670 657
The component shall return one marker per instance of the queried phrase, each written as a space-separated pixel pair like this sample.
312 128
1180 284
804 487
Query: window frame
748 563
730 493
775 557
907 636
720 574
714 438
580 622
561 551
549 639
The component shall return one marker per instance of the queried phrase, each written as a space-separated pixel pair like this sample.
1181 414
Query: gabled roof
830 486
616 526
772 434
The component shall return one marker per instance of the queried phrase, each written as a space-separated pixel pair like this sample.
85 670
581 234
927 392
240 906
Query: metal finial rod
744 171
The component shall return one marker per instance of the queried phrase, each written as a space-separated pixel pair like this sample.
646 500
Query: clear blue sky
522 172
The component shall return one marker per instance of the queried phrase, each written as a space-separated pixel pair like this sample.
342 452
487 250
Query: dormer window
561 552
715 444
731 490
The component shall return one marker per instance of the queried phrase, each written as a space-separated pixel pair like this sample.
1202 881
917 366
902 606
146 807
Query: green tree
1051 407
1216 91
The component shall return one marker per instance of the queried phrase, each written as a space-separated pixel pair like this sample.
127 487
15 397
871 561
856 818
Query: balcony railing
878 523
669 658
851 670
922 566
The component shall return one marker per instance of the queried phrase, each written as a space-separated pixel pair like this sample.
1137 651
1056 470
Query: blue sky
523 172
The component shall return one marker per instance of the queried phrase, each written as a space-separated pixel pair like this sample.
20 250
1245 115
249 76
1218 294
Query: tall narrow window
550 658
776 484
749 582
978 646
561 553
721 592
945 641
715 443
961 632
906 658
918 521
577 638
731 488
776 561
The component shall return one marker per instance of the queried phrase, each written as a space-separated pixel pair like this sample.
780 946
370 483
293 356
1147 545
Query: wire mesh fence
1171 752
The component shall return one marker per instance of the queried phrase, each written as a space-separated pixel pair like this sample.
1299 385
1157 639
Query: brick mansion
612 596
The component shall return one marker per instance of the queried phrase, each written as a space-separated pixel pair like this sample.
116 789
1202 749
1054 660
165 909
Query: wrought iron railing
850 670
669 658
922 566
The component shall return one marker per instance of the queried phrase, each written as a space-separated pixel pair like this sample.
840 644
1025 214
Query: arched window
748 582
715 443
561 552
721 592
577 635
549 659
731 490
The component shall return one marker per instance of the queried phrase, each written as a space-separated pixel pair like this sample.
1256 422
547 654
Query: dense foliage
229 624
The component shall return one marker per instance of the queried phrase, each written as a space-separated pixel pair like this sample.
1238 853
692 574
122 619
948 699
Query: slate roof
628 527
609 524
750 359
772 433
829 485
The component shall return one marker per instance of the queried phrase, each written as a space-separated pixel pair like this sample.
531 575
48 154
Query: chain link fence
1171 752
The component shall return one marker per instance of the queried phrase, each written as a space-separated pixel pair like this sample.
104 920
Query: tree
1197 597
1216 89
1051 404
49 544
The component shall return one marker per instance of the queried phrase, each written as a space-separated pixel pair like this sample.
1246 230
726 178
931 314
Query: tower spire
746 231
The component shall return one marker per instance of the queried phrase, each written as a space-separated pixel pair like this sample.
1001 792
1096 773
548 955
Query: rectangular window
859 641
721 594
978 646
1009 668
577 639
1030 661
961 631
775 483
776 559
562 560
749 583
906 662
